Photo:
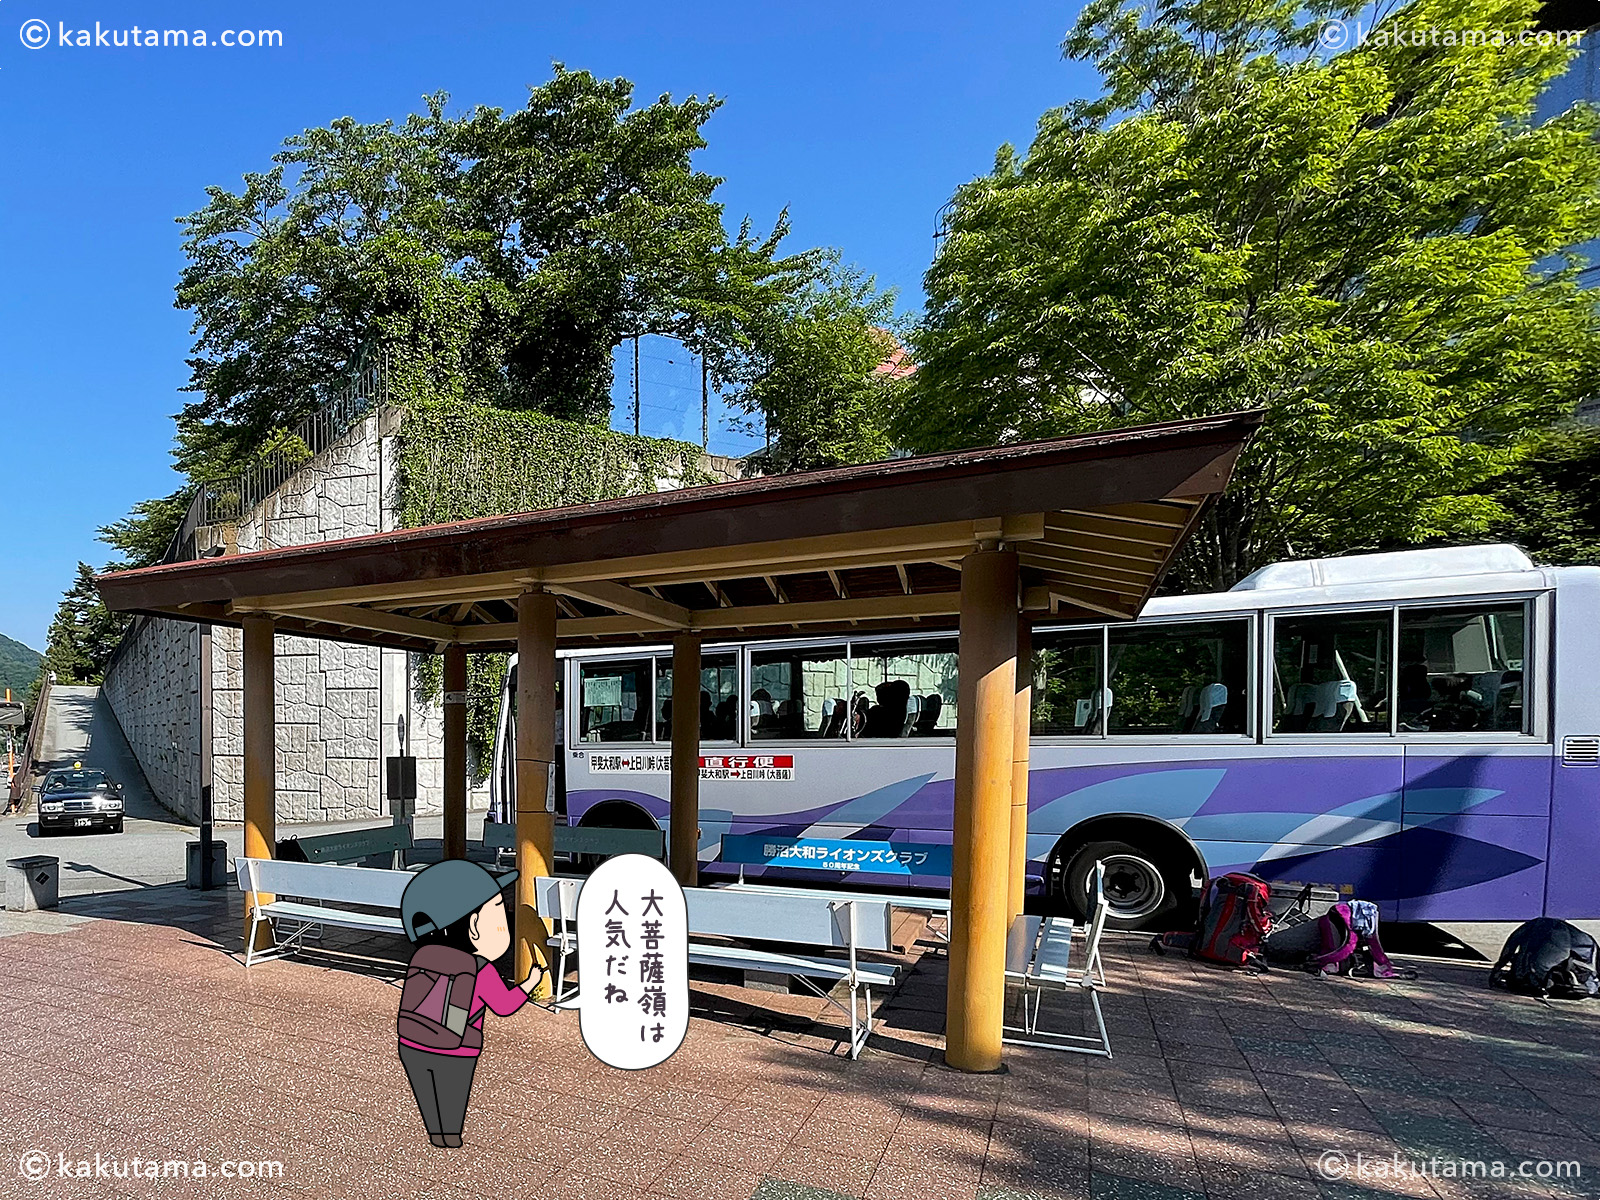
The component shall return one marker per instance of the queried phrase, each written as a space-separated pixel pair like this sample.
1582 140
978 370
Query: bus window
719 698
909 688
799 692
1461 668
1187 677
1331 673
1068 692
613 701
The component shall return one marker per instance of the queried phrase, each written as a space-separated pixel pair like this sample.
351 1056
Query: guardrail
30 751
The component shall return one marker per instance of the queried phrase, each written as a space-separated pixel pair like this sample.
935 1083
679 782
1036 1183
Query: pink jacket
489 991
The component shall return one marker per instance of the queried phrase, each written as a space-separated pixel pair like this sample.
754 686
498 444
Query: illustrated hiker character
454 914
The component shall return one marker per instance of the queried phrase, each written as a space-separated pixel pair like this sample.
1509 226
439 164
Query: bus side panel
1573 888
1313 813
1476 830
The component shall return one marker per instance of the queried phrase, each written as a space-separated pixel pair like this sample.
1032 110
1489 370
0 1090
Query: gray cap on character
444 892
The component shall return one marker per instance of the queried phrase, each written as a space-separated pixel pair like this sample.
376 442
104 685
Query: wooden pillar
260 751
1021 727
685 852
975 1000
455 751
536 754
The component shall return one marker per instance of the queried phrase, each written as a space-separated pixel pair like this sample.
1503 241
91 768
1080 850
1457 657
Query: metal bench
316 888
850 924
583 839
911 902
357 845
1039 955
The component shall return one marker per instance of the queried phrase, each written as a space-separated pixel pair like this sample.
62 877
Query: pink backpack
1349 945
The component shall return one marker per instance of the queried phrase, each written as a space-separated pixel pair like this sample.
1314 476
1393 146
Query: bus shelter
986 541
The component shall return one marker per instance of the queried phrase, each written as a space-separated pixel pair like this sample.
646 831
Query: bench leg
1071 1043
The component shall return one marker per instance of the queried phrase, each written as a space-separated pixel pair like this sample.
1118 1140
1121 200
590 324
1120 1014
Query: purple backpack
436 1000
1348 943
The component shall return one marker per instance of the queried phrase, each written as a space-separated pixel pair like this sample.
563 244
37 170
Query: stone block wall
154 689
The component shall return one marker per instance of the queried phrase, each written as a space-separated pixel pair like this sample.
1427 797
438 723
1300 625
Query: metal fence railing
30 751
217 502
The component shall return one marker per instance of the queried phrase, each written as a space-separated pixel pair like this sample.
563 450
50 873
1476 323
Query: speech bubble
633 946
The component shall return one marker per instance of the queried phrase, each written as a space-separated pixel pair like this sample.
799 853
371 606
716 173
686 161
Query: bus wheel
1140 886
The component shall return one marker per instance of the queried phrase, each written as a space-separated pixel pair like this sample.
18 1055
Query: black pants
441 1083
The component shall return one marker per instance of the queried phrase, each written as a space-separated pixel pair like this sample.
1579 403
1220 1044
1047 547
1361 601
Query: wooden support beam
355 617
981 842
536 733
796 613
776 589
1021 740
1174 511
626 600
685 770
455 751
838 584
905 580
260 754
1107 603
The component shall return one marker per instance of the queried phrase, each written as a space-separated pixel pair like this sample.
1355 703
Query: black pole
207 882
205 838
635 385
705 408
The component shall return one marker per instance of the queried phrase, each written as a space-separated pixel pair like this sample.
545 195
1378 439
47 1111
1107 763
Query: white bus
1421 729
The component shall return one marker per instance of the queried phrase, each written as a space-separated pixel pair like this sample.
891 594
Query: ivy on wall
459 461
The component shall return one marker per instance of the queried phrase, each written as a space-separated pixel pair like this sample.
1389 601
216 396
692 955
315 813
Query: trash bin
219 864
32 882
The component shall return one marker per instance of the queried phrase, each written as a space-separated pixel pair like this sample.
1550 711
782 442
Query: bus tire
611 814
1142 888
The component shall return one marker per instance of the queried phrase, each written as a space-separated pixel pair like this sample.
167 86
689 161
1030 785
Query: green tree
1367 246
816 375
1552 497
84 634
145 533
492 256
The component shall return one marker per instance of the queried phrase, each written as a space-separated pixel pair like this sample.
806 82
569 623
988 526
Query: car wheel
1141 888
45 831
117 827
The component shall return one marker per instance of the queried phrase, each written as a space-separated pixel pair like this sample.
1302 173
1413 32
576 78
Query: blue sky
861 118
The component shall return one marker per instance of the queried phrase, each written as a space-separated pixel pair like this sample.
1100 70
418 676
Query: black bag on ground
1295 936
1548 957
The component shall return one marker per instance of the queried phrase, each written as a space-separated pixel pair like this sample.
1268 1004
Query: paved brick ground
131 1031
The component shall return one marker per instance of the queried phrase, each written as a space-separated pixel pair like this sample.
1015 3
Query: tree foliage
84 634
814 375
1368 246
142 537
494 256
1552 497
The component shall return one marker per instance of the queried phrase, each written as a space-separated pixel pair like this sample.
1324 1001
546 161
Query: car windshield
76 781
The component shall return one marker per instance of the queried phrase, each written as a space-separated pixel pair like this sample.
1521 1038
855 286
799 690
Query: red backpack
436 1001
1235 918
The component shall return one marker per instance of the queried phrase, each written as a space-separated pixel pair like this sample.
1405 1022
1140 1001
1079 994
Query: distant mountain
19 667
